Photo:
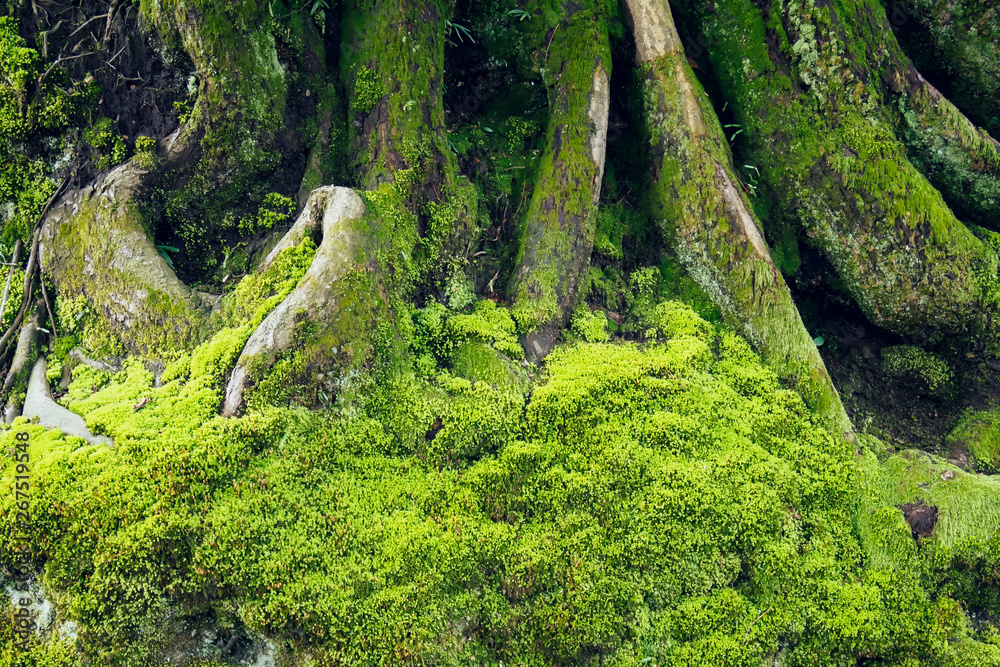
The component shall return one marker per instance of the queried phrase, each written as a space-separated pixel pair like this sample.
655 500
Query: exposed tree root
38 403
557 245
823 137
17 374
93 244
320 295
709 222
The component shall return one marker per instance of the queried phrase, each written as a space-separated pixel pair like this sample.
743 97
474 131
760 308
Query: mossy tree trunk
814 89
393 71
956 44
93 245
559 237
708 220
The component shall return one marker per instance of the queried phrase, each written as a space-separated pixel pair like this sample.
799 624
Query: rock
922 518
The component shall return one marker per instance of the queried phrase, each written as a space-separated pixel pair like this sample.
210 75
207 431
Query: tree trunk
812 110
709 222
414 209
393 73
559 238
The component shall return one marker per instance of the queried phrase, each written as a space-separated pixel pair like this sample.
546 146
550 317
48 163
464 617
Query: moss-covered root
39 404
709 222
960 159
559 237
394 78
805 84
334 304
93 244
956 42
17 375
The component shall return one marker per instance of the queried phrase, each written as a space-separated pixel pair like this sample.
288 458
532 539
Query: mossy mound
668 501
979 432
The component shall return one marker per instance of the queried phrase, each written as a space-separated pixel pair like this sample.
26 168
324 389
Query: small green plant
273 212
460 31
145 152
518 14
368 90
183 110
750 183
164 249
112 148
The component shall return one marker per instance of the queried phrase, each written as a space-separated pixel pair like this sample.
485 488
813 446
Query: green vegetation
909 363
668 500
30 108
523 411
979 432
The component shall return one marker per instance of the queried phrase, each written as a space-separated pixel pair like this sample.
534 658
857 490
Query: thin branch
10 274
61 59
29 271
84 24
111 17
48 306
15 325
45 38
117 54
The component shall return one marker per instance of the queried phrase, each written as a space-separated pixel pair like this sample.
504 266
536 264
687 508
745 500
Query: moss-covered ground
664 500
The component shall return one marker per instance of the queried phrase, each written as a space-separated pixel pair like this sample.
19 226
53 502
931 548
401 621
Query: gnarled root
38 402
708 221
339 279
93 244
822 135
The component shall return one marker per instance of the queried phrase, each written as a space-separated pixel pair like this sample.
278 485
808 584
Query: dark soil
899 411
137 88
922 518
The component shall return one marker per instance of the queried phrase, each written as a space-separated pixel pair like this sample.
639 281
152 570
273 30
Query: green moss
665 501
368 90
480 363
487 323
111 147
979 432
671 319
931 374
590 325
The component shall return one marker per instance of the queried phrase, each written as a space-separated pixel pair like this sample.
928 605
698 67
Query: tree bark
814 112
393 74
709 222
93 244
559 238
